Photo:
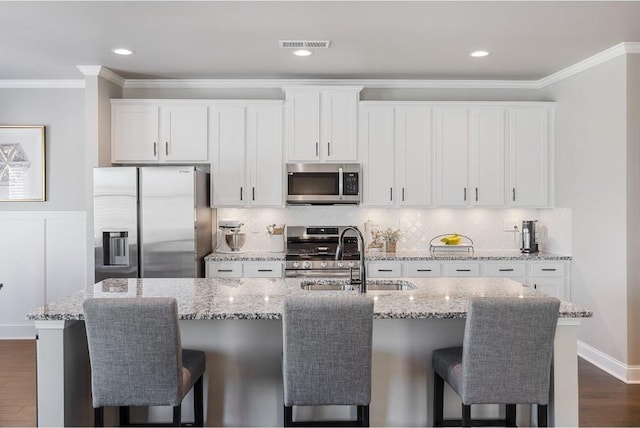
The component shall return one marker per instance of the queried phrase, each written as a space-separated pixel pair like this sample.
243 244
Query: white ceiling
369 39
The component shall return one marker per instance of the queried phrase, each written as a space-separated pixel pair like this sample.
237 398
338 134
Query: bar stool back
505 357
137 358
327 355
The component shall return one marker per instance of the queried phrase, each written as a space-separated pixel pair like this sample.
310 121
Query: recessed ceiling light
122 51
302 52
479 54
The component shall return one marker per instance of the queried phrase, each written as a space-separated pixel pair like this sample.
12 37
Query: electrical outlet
510 225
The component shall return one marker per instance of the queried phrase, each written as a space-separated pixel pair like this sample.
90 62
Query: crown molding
101 71
42 84
597 59
366 83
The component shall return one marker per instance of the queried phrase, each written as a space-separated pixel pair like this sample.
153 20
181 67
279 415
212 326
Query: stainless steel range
311 251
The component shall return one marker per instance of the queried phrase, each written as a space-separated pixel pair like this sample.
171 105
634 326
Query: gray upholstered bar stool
505 358
137 358
327 355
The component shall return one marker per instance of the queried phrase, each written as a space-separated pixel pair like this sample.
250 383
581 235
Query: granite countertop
506 255
244 256
262 298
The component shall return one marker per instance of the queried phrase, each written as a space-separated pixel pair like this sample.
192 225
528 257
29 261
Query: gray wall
62 113
633 206
590 178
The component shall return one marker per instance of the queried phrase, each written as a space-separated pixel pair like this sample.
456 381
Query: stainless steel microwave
323 183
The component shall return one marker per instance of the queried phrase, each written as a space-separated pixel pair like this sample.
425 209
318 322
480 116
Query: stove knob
306 264
323 264
296 265
351 264
339 264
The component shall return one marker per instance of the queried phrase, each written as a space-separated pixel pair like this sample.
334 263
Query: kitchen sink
343 285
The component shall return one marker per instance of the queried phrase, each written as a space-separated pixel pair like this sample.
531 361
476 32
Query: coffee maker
529 238
230 237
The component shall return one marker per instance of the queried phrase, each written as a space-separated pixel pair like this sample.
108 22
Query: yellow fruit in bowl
451 239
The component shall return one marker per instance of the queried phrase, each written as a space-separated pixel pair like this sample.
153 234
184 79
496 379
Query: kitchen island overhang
243 385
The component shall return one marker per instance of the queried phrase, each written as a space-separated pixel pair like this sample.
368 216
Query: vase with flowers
391 237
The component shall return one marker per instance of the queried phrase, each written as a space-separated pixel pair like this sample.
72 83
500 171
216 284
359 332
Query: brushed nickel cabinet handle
253 193
265 270
476 194
403 194
548 269
385 270
225 270
505 270
391 193
329 148
155 148
166 148
465 193
316 149
463 270
424 270
513 196
240 193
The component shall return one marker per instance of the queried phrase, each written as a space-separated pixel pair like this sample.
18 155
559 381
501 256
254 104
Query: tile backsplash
418 226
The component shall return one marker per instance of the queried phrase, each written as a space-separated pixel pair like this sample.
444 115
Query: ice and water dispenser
115 248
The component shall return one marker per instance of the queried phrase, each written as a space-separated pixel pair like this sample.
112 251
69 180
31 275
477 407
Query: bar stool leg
542 415
98 416
177 415
466 415
198 403
438 400
510 416
288 416
124 416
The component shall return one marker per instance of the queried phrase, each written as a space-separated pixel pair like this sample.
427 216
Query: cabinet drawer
384 269
224 269
547 269
421 269
462 269
509 270
263 270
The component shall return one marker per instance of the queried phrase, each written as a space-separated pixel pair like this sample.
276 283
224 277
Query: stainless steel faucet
362 281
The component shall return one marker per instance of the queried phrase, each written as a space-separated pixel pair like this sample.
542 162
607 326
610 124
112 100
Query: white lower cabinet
384 269
551 277
243 269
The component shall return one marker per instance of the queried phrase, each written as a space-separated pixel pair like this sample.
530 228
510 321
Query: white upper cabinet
158 131
246 150
377 155
529 146
414 146
487 138
452 156
396 153
322 123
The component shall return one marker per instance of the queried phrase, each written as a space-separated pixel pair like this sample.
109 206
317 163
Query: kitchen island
237 322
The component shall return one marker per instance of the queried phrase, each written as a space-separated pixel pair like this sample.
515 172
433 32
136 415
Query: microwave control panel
351 184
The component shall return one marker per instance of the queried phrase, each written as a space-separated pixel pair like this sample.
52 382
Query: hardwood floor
604 400
17 383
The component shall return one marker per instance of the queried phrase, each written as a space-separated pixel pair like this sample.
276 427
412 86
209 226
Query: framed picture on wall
22 163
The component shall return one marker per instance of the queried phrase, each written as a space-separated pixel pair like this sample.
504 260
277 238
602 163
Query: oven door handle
340 183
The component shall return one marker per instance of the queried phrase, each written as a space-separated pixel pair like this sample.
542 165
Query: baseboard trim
17 331
626 373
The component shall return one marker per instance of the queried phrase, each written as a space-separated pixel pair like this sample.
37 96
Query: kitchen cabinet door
451 140
339 121
303 126
264 148
184 134
377 148
134 133
322 124
529 146
487 156
227 125
414 144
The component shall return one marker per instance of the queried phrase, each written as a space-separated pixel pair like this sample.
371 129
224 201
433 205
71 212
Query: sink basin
342 285
390 285
326 285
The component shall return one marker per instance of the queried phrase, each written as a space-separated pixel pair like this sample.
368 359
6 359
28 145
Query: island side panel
564 391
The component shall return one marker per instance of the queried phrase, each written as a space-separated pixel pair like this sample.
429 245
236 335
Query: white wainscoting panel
42 258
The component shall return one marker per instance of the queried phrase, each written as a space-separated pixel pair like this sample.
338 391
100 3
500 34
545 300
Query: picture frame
22 163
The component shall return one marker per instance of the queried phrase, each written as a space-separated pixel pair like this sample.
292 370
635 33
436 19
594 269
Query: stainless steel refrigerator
151 222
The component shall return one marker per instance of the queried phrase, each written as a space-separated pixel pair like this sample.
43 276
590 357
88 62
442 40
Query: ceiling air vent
304 44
